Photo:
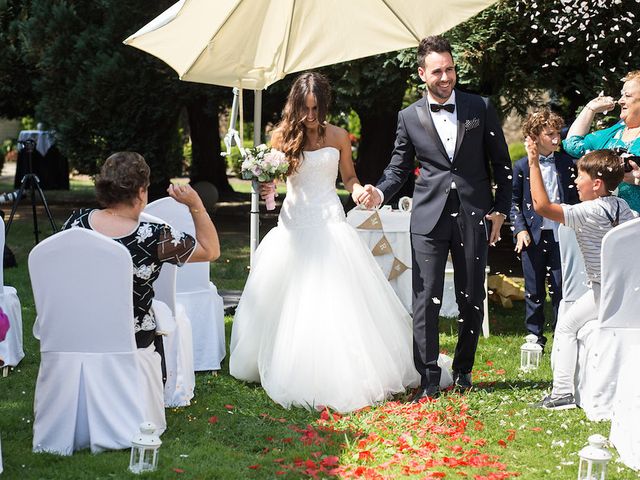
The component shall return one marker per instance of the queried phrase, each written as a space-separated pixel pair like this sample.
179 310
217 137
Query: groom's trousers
466 239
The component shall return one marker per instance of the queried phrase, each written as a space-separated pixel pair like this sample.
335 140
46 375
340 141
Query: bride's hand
358 190
267 188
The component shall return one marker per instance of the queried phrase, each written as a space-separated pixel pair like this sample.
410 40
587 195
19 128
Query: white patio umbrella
254 43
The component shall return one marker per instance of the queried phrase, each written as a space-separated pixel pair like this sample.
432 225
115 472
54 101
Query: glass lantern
530 353
593 459
144 449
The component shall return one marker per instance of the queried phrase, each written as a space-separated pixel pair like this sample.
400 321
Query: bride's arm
347 170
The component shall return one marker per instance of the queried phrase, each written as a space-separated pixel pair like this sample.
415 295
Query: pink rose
4 325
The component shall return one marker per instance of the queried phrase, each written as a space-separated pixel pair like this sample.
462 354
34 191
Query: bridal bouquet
264 164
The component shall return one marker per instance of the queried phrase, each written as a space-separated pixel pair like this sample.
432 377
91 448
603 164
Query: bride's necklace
116 214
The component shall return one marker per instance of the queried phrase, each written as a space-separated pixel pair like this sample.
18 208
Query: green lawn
234 431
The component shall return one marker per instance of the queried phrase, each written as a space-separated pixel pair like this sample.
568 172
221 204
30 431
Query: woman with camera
623 137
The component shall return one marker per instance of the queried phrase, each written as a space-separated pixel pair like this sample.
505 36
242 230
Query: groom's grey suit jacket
480 152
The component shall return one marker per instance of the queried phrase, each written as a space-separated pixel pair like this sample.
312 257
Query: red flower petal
178 470
213 419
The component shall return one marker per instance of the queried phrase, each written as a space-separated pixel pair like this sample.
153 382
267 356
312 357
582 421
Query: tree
101 96
16 74
517 49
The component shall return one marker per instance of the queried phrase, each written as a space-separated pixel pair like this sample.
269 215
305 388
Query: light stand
31 181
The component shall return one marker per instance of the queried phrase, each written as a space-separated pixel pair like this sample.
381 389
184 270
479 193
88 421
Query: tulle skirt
318 324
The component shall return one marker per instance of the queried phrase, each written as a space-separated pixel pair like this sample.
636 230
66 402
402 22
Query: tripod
31 181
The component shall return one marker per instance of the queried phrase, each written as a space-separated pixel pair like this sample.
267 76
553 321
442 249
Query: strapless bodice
311 192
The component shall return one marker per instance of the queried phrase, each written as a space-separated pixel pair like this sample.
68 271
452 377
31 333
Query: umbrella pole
255 209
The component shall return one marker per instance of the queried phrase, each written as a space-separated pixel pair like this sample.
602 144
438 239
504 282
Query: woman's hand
357 193
186 195
601 104
267 188
633 177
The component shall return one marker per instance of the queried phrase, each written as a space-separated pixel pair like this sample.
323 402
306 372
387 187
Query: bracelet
195 210
590 108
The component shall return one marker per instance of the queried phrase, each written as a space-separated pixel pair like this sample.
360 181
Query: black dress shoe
430 391
462 381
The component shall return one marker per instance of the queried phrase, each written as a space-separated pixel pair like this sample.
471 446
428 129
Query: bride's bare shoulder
276 139
336 135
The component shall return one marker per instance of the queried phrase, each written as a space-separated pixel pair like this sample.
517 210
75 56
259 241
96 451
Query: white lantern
593 459
144 449
530 353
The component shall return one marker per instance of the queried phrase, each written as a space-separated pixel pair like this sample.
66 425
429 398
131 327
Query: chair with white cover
625 417
11 351
177 339
618 318
198 295
574 285
94 387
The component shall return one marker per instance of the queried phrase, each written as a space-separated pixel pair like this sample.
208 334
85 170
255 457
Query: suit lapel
462 108
427 123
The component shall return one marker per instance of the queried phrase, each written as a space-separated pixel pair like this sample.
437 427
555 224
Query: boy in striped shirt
599 173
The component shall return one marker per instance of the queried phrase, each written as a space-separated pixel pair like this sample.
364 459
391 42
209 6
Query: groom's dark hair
433 43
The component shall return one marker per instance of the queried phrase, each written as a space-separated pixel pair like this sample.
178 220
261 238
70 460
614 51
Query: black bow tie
436 107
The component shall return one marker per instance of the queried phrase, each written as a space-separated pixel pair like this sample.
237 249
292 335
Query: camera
624 154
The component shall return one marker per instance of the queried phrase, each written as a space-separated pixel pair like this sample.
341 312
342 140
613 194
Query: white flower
144 232
148 323
177 237
145 271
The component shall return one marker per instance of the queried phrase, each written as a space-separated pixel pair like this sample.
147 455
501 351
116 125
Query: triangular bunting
383 247
372 223
397 269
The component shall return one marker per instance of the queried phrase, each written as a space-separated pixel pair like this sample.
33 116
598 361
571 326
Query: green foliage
516 151
516 49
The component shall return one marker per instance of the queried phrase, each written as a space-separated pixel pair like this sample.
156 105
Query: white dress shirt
550 180
446 125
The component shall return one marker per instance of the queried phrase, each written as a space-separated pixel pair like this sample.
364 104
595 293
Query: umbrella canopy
254 43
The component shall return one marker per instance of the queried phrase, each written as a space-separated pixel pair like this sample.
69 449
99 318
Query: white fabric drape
619 318
11 351
625 417
94 386
195 292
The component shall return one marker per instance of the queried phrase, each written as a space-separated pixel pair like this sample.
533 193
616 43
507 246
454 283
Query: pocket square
471 123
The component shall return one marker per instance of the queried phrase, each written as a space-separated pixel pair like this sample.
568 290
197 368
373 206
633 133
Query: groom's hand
369 197
497 219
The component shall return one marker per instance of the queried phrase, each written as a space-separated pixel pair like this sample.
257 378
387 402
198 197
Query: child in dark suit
536 237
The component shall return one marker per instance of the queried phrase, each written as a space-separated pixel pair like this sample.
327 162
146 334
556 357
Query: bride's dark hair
291 128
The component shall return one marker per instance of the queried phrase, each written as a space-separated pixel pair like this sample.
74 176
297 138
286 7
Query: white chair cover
625 417
11 351
194 291
618 318
177 341
574 285
94 387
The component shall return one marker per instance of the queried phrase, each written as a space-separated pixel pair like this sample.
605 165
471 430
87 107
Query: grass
234 431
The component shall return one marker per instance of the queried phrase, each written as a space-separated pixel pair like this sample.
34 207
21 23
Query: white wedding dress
318 323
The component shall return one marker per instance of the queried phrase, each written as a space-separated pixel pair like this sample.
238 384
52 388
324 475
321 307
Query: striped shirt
591 223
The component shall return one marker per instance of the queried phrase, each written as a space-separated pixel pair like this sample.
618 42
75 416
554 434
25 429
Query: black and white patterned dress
150 245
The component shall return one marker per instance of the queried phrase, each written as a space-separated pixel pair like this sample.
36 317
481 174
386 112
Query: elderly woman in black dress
121 189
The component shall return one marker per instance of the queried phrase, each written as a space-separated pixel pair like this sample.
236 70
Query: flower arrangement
264 164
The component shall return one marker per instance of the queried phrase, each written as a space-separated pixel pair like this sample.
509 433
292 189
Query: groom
457 139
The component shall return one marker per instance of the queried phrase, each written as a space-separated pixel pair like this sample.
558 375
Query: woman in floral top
121 188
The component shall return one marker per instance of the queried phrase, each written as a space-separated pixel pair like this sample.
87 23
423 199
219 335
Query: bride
318 324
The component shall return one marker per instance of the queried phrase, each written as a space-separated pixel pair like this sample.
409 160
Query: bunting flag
383 247
397 269
372 223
